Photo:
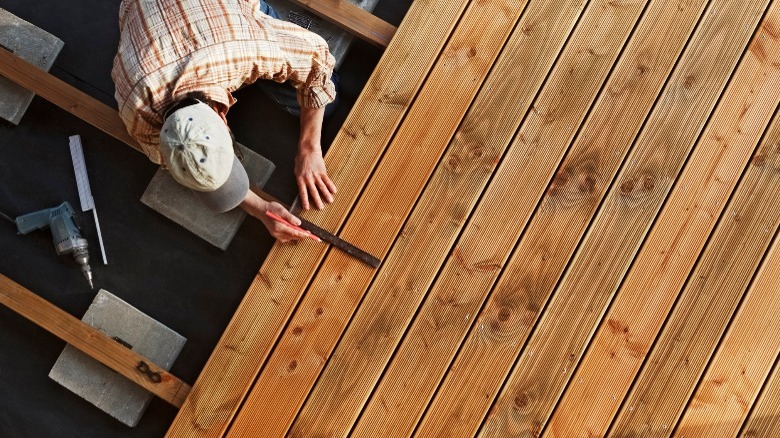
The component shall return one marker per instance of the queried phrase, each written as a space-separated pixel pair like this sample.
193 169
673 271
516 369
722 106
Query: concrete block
103 387
338 39
181 205
32 44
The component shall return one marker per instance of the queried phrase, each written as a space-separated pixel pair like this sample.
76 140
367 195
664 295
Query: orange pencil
278 218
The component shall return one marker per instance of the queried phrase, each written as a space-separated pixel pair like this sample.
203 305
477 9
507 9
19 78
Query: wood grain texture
476 149
353 19
90 341
65 96
743 360
704 307
260 318
391 193
764 419
663 265
488 352
700 317
617 231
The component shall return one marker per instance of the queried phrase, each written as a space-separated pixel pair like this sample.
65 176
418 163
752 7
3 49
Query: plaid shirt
168 48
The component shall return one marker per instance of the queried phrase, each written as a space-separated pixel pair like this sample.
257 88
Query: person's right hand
256 206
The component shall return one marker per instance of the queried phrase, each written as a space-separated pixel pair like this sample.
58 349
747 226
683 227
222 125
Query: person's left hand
312 177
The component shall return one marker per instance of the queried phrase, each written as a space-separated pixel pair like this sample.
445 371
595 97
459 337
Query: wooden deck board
663 265
705 307
392 301
263 312
618 229
613 140
492 344
743 360
764 419
377 218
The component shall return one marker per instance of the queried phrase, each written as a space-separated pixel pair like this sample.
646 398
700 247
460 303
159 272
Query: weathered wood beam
353 19
91 341
65 96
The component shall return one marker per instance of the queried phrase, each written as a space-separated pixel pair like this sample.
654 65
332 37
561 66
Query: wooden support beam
91 341
65 96
353 19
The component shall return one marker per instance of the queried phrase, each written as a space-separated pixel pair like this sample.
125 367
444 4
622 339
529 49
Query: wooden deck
577 207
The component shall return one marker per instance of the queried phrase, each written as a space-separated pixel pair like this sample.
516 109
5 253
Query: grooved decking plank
353 19
429 346
743 360
764 419
259 319
478 145
660 270
707 302
698 320
375 222
577 303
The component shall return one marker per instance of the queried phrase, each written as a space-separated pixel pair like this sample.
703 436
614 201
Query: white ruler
85 193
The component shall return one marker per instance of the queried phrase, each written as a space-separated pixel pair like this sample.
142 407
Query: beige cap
197 148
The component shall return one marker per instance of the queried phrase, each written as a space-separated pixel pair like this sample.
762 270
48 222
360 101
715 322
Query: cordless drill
64 231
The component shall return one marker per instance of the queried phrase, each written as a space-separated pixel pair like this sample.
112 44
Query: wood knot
587 184
627 187
292 366
648 183
559 181
472 52
689 82
616 326
319 311
521 400
477 152
759 159
297 331
503 314
453 162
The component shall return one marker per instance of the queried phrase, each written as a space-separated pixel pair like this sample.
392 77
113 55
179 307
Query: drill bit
8 218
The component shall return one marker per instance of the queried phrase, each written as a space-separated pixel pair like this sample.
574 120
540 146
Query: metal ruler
329 237
85 193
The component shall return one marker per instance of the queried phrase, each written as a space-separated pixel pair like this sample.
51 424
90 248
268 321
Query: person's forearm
311 129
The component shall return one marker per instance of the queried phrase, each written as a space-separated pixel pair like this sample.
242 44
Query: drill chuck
65 233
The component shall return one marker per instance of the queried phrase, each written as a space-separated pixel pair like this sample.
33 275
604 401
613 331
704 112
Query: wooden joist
664 264
353 19
251 335
65 96
91 341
